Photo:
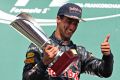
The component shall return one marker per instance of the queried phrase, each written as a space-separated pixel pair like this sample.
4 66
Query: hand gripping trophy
28 27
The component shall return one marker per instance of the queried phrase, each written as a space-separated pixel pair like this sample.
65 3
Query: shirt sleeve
34 68
92 65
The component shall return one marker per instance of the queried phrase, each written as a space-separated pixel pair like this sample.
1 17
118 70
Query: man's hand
50 52
105 46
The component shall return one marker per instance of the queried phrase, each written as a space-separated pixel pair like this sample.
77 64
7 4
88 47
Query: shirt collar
58 41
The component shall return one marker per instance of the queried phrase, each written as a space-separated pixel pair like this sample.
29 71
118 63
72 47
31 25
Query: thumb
107 38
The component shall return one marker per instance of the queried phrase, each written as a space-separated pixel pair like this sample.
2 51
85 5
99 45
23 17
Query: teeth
69 31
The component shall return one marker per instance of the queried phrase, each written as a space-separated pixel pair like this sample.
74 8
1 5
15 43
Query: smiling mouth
69 32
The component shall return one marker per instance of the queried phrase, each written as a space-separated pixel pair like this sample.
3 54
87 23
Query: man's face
67 27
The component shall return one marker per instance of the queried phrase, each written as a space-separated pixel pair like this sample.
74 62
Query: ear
58 19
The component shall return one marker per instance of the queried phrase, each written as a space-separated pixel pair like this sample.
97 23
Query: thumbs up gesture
105 46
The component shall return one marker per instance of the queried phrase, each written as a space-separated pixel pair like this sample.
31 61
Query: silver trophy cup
28 27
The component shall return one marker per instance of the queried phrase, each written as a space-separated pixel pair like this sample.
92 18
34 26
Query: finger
54 50
105 50
107 38
105 47
105 44
52 54
48 47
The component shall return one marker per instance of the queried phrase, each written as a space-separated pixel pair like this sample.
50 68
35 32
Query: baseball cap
71 10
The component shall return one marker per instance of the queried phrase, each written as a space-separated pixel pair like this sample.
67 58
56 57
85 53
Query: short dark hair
61 16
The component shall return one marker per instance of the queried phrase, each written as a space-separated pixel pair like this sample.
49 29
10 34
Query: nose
72 26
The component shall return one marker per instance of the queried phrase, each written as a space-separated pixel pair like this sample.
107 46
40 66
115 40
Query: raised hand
105 46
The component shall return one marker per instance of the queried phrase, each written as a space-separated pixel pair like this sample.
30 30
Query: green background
90 34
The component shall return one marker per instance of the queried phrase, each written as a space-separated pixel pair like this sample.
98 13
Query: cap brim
74 17
82 20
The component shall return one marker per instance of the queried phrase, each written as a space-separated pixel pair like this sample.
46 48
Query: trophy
28 27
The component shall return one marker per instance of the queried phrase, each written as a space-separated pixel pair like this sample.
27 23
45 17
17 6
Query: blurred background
102 18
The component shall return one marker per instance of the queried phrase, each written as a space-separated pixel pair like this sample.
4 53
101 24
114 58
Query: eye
74 22
69 21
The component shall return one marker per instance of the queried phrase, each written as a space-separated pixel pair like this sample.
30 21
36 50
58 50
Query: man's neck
65 41
58 36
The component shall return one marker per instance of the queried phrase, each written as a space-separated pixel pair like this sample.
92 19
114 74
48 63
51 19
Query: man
37 61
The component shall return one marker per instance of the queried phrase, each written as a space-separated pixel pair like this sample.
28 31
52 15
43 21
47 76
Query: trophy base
63 62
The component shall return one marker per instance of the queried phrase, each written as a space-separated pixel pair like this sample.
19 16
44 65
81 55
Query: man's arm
100 67
107 57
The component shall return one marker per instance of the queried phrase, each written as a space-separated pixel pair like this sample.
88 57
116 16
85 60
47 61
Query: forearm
107 65
37 72
100 67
